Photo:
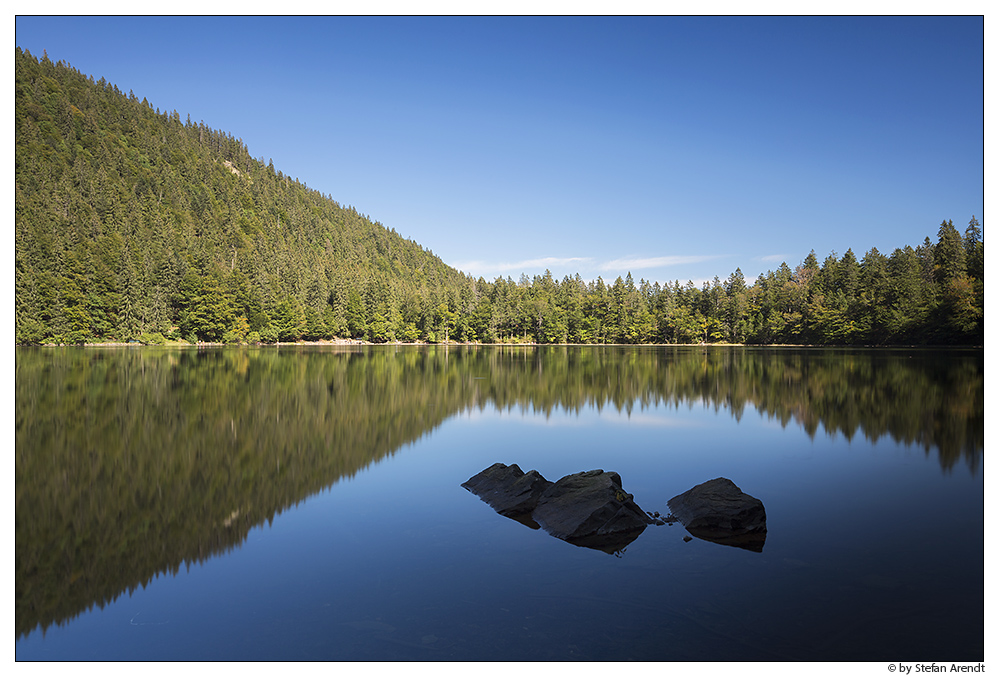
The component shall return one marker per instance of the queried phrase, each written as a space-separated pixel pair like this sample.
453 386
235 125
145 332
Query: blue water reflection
872 553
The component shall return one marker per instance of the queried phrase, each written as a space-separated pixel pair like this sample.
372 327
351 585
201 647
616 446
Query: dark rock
718 511
588 507
509 491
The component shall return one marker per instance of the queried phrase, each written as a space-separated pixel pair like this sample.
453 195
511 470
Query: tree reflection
129 463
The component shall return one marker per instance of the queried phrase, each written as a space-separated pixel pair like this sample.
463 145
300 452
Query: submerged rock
720 512
588 509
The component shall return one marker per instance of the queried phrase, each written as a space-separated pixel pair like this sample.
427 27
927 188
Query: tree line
131 224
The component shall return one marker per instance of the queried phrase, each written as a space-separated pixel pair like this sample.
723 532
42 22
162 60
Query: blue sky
674 148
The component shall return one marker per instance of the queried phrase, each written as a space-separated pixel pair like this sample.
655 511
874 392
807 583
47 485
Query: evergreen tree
131 223
949 254
974 250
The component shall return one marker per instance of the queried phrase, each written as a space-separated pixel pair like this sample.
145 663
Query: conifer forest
133 224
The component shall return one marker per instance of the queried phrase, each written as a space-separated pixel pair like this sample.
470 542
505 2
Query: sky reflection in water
873 552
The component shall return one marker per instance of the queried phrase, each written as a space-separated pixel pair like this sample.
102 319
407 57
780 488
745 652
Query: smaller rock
721 512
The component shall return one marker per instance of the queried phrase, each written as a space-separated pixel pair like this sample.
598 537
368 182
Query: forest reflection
133 462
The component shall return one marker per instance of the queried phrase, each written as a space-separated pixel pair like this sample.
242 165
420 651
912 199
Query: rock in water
590 507
509 490
719 511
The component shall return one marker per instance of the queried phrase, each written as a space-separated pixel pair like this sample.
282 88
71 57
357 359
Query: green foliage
269 334
130 222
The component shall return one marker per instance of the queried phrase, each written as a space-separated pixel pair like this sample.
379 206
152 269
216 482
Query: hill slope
130 221
133 224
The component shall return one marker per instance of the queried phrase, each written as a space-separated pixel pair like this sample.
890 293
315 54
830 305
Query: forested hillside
133 224
130 222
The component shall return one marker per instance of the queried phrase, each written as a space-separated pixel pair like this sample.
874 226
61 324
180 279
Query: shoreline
361 342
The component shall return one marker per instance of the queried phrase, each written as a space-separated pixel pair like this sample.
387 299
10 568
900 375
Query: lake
305 503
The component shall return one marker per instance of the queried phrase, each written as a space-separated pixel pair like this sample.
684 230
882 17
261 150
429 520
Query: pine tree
130 222
974 250
949 254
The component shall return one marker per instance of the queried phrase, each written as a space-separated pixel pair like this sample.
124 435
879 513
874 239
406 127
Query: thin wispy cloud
498 267
579 264
772 258
638 263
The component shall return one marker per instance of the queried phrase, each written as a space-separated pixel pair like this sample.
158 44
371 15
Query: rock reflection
589 509
132 463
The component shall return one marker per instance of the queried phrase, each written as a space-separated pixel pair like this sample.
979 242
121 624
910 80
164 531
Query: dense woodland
133 224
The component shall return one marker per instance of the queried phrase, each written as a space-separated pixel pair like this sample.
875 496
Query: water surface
304 503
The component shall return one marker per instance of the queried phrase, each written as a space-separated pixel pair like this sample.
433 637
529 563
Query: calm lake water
305 503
